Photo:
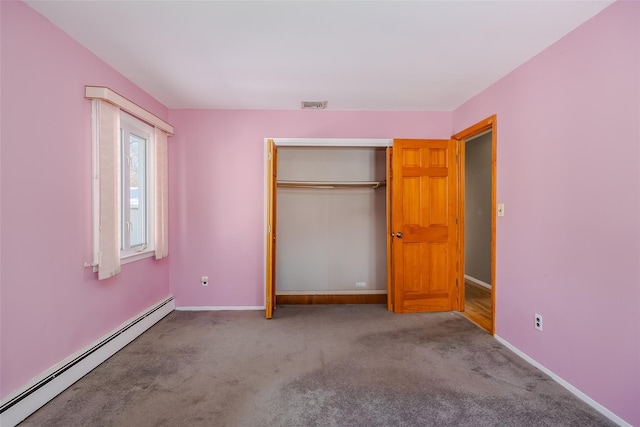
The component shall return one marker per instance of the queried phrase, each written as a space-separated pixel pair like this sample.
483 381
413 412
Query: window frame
132 125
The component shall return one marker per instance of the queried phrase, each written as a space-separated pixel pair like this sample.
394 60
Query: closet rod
331 184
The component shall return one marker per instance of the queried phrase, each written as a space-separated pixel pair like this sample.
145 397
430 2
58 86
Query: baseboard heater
26 393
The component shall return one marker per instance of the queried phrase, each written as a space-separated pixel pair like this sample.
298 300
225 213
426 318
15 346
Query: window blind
108 124
162 192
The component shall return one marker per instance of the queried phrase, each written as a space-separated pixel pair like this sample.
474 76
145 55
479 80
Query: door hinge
268 156
456 220
457 284
456 158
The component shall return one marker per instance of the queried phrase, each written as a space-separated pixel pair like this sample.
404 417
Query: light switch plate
500 209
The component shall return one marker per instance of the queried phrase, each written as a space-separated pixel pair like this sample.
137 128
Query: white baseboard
598 407
19 405
219 308
477 281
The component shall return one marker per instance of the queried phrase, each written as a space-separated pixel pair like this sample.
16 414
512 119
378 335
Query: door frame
298 142
488 124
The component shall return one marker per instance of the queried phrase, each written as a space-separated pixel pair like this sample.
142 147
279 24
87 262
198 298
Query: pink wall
50 305
568 246
217 190
568 173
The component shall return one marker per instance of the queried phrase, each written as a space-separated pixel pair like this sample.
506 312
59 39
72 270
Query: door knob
399 235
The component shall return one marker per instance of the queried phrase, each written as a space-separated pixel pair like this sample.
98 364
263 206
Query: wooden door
272 172
425 234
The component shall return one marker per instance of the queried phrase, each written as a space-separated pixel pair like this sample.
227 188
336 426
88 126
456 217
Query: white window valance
106 94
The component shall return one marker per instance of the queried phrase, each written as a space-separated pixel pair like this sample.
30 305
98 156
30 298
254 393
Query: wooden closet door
390 283
424 215
272 175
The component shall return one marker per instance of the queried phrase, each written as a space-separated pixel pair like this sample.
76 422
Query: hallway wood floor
477 305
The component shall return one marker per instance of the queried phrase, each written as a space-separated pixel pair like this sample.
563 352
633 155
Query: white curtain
108 133
161 196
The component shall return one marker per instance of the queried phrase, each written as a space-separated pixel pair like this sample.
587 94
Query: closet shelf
331 184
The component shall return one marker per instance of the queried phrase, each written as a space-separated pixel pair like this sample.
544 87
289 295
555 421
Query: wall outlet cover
538 321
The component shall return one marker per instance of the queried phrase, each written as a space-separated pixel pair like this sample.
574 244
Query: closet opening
327 199
331 222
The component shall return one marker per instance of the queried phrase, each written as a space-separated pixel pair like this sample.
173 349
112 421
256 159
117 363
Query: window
130 182
136 177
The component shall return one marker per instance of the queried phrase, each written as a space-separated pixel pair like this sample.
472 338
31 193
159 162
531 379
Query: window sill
137 256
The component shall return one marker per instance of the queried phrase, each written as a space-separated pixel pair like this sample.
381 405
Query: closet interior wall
330 239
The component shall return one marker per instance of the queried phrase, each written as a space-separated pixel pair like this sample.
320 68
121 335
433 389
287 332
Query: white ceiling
357 55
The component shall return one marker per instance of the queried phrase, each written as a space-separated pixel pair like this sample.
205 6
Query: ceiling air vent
314 105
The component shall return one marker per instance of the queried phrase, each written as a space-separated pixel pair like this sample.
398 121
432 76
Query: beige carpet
340 365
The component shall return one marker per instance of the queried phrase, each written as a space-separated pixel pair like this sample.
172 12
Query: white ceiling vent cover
314 105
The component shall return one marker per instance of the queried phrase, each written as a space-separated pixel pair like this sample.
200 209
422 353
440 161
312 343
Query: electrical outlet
205 280
361 284
538 322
